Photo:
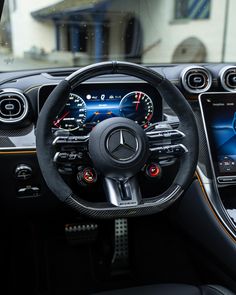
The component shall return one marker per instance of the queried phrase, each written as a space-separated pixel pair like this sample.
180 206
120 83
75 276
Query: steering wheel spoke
123 192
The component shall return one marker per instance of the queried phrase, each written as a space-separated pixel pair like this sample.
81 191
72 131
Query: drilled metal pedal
120 258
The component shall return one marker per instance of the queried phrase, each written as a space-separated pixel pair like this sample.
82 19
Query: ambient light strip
17 152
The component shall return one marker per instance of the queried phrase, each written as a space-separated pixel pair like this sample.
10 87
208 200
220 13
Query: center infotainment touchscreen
219 115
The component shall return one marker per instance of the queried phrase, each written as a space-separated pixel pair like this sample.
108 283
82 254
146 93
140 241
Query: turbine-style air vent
13 106
228 78
196 79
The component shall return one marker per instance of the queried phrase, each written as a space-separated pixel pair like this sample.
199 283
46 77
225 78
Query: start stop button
153 170
86 176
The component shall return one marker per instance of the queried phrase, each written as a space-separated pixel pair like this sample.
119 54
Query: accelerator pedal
120 260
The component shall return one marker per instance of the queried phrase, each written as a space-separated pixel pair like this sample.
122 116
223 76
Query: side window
192 9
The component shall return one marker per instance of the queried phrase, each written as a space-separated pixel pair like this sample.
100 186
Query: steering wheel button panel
63 156
165 134
171 150
66 157
60 140
66 140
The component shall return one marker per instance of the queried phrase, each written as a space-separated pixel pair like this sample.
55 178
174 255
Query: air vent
228 78
61 74
196 79
57 74
13 106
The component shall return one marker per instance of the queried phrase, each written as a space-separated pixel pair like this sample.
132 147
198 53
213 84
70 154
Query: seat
172 289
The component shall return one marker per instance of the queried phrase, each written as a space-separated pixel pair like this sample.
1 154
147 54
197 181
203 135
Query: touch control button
23 172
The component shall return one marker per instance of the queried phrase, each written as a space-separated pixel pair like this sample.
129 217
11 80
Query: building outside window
192 9
14 5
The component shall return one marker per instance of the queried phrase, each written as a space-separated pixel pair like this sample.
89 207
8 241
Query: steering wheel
119 147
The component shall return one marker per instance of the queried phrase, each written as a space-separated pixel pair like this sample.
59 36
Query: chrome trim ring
223 73
198 69
21 96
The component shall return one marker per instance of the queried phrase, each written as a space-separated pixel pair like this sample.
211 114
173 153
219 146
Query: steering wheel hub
118 147
122 144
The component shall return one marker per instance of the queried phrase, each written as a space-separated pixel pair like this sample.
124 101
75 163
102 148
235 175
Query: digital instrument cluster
90 104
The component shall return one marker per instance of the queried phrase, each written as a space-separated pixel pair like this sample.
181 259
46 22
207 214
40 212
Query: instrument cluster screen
90 104
219 111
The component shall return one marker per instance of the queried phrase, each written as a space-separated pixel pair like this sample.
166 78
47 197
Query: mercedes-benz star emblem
122 144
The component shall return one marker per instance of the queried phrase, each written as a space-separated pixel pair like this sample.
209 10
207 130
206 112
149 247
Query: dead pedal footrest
81 233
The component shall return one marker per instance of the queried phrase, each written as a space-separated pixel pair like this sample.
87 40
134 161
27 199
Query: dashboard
210 90
91 103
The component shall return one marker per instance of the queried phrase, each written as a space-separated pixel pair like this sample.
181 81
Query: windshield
70 33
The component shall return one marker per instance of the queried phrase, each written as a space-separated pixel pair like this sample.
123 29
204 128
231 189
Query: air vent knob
10 107
196 80
13 106
231 79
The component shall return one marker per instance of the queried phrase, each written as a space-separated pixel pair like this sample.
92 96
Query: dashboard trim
18 152
18 148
